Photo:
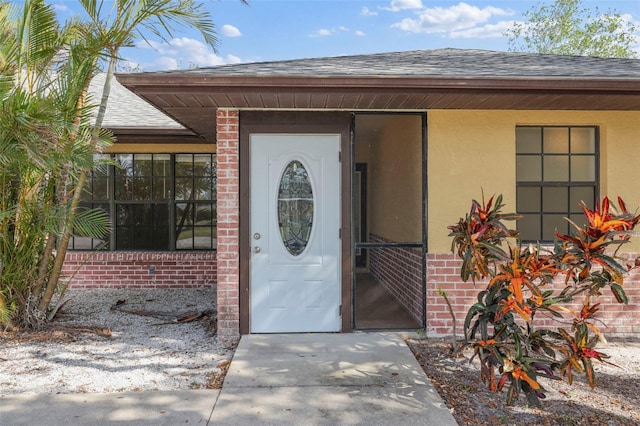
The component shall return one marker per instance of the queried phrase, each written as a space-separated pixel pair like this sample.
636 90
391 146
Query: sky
270 30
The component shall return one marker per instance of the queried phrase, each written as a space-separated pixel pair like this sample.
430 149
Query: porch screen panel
389 216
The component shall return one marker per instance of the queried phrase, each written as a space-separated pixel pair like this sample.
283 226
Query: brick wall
140 269
444 270
228 181
398 270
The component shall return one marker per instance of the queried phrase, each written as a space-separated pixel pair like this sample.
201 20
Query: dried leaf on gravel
68 333
92 348
615 402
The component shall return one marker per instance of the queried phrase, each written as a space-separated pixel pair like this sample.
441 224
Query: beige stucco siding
396 176
395 186
471 151
161 148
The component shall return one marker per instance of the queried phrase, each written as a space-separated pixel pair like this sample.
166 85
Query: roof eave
157 83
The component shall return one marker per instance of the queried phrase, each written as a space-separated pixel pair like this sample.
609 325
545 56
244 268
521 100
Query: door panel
295 286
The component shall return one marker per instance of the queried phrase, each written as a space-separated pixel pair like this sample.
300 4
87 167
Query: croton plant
527 284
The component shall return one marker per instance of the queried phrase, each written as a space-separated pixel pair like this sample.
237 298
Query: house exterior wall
443 271
143 270
468 152
474 151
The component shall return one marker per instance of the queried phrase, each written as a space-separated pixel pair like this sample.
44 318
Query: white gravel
139 355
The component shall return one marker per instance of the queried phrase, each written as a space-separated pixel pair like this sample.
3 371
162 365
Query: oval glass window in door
295 207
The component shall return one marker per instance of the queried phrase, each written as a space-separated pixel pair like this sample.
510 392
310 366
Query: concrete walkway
292 379
118 408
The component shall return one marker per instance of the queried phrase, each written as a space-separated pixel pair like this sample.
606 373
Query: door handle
256 249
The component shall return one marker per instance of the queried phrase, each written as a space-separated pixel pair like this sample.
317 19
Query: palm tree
48 136
114 29
39 149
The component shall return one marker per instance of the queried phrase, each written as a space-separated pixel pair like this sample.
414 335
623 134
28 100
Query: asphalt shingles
437 63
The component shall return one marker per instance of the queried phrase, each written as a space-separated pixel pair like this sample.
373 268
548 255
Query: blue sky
268 30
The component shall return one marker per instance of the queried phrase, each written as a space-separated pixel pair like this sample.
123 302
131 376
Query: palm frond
92 223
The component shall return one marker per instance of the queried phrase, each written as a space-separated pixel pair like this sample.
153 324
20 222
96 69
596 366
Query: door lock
256 236
256 249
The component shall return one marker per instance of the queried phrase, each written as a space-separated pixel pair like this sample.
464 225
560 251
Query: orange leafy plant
512 345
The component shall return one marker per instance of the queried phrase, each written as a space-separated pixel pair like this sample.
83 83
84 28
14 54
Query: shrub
508 326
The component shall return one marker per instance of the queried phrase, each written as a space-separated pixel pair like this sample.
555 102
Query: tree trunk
54 278
47 254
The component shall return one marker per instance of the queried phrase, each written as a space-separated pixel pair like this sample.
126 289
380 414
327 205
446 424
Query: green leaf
564 27
611 263
494 250
518 345
588 369
92 223
619 293
532 396
512 393
474 310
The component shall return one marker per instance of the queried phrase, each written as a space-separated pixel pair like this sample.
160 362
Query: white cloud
636 44
230 31
322 33
163 63
452 19
628 17
232 59
366 12
398 5
326 32
485 31
60 7
128 65
360 33
183 52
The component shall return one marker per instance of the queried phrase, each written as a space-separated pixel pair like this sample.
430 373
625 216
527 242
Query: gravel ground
614 402
140 346
137 346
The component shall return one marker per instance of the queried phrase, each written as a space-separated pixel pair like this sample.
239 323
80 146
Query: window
556 168
155 201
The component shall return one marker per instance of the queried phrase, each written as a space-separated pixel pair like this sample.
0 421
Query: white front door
295 233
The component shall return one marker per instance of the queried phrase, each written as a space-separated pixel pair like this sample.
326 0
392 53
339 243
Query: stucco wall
142 148
395 181
472 151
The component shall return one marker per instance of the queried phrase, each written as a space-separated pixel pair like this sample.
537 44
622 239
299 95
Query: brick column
228 207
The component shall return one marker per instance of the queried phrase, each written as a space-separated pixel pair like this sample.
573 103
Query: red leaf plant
513 345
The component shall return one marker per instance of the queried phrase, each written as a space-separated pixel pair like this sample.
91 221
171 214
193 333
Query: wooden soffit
193 99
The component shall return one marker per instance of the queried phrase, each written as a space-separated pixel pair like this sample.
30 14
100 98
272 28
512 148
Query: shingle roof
436 63
126 109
